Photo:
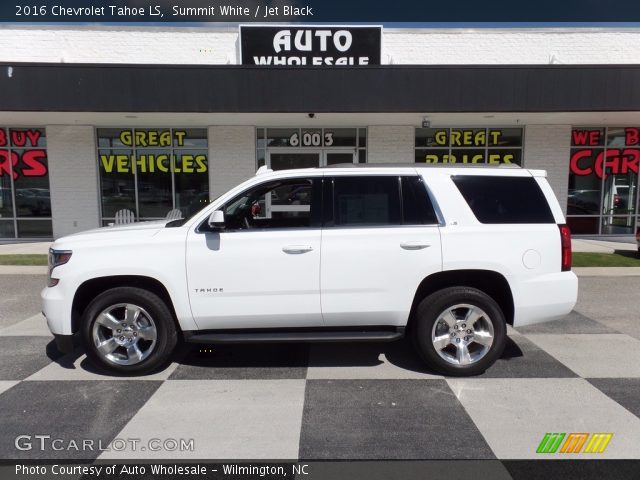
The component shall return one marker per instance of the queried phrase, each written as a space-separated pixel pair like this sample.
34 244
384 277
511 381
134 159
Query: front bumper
56 310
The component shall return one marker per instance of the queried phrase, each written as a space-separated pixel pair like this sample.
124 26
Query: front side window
288 203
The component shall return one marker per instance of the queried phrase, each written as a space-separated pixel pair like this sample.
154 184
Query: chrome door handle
414 245
296 249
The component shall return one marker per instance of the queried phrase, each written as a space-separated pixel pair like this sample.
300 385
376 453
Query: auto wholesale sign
313 46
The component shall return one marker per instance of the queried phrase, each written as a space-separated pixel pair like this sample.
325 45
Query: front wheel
459 331
128 330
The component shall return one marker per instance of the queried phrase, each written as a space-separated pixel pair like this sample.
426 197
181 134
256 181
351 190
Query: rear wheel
459 331
128 330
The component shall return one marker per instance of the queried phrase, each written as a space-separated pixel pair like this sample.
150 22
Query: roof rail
420 165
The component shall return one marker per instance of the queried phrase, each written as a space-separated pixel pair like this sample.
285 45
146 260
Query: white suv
446 255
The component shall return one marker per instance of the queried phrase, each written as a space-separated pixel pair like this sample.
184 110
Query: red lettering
34 160
632 136
18 138
6 161
598 164
34 136
586 137
630 161
612 163
575 166
3 138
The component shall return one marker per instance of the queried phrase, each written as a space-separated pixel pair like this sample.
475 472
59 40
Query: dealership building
95 121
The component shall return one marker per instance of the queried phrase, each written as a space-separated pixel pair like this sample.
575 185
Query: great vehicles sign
313 46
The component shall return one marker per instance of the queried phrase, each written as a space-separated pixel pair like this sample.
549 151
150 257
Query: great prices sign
588 155
20 155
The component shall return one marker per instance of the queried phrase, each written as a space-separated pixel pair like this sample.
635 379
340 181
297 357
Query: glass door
284 160
335 157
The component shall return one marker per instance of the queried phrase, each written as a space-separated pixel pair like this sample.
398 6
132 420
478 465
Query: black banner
310 46
318 11
318 470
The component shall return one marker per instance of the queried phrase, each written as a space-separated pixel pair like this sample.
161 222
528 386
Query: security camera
311 115
426 123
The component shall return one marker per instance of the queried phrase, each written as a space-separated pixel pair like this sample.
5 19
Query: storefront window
603 180
25 203
469 145
152 171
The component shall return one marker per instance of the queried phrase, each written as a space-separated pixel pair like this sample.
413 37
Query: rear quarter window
501 200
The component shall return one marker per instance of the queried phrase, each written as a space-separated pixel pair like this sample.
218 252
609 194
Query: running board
282 337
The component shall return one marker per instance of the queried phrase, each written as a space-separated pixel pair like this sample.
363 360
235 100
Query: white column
390 144
232 157
547 147
73 179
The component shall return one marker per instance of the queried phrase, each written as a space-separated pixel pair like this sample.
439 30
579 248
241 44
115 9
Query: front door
287 158
263 269
338 156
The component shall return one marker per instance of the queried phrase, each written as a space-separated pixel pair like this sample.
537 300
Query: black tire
428 313
151 305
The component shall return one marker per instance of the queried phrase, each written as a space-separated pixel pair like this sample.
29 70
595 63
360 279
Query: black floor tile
70 411
21 357
523 359
573 323
387 419
625 391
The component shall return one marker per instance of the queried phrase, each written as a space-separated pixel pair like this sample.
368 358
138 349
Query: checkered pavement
329 401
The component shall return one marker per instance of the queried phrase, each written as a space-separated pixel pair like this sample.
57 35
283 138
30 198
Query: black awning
390 88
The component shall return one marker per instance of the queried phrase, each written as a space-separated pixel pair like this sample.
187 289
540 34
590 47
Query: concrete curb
607 271
23 270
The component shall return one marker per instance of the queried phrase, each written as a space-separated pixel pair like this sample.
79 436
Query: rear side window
416 204
504 199
366 201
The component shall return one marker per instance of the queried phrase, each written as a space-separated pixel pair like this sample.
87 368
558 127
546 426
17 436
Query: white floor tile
251 419
513 415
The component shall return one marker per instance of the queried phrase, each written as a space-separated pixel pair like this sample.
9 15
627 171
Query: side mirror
216 219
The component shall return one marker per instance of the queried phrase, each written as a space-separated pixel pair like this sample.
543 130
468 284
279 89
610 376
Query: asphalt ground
337 402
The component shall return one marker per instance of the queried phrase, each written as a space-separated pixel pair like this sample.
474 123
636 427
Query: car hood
115 232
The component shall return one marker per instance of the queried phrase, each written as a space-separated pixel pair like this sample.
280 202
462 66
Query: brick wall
118 45
166 45
232 157
390 144
73 178
546 147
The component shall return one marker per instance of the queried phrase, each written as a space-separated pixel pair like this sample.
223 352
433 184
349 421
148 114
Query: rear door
380 239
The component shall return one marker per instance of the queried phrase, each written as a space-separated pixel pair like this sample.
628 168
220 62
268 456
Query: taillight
565 242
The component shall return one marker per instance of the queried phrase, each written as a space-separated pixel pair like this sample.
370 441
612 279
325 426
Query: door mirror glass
216 219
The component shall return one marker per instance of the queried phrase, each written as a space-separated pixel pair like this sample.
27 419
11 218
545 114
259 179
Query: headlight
56 258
